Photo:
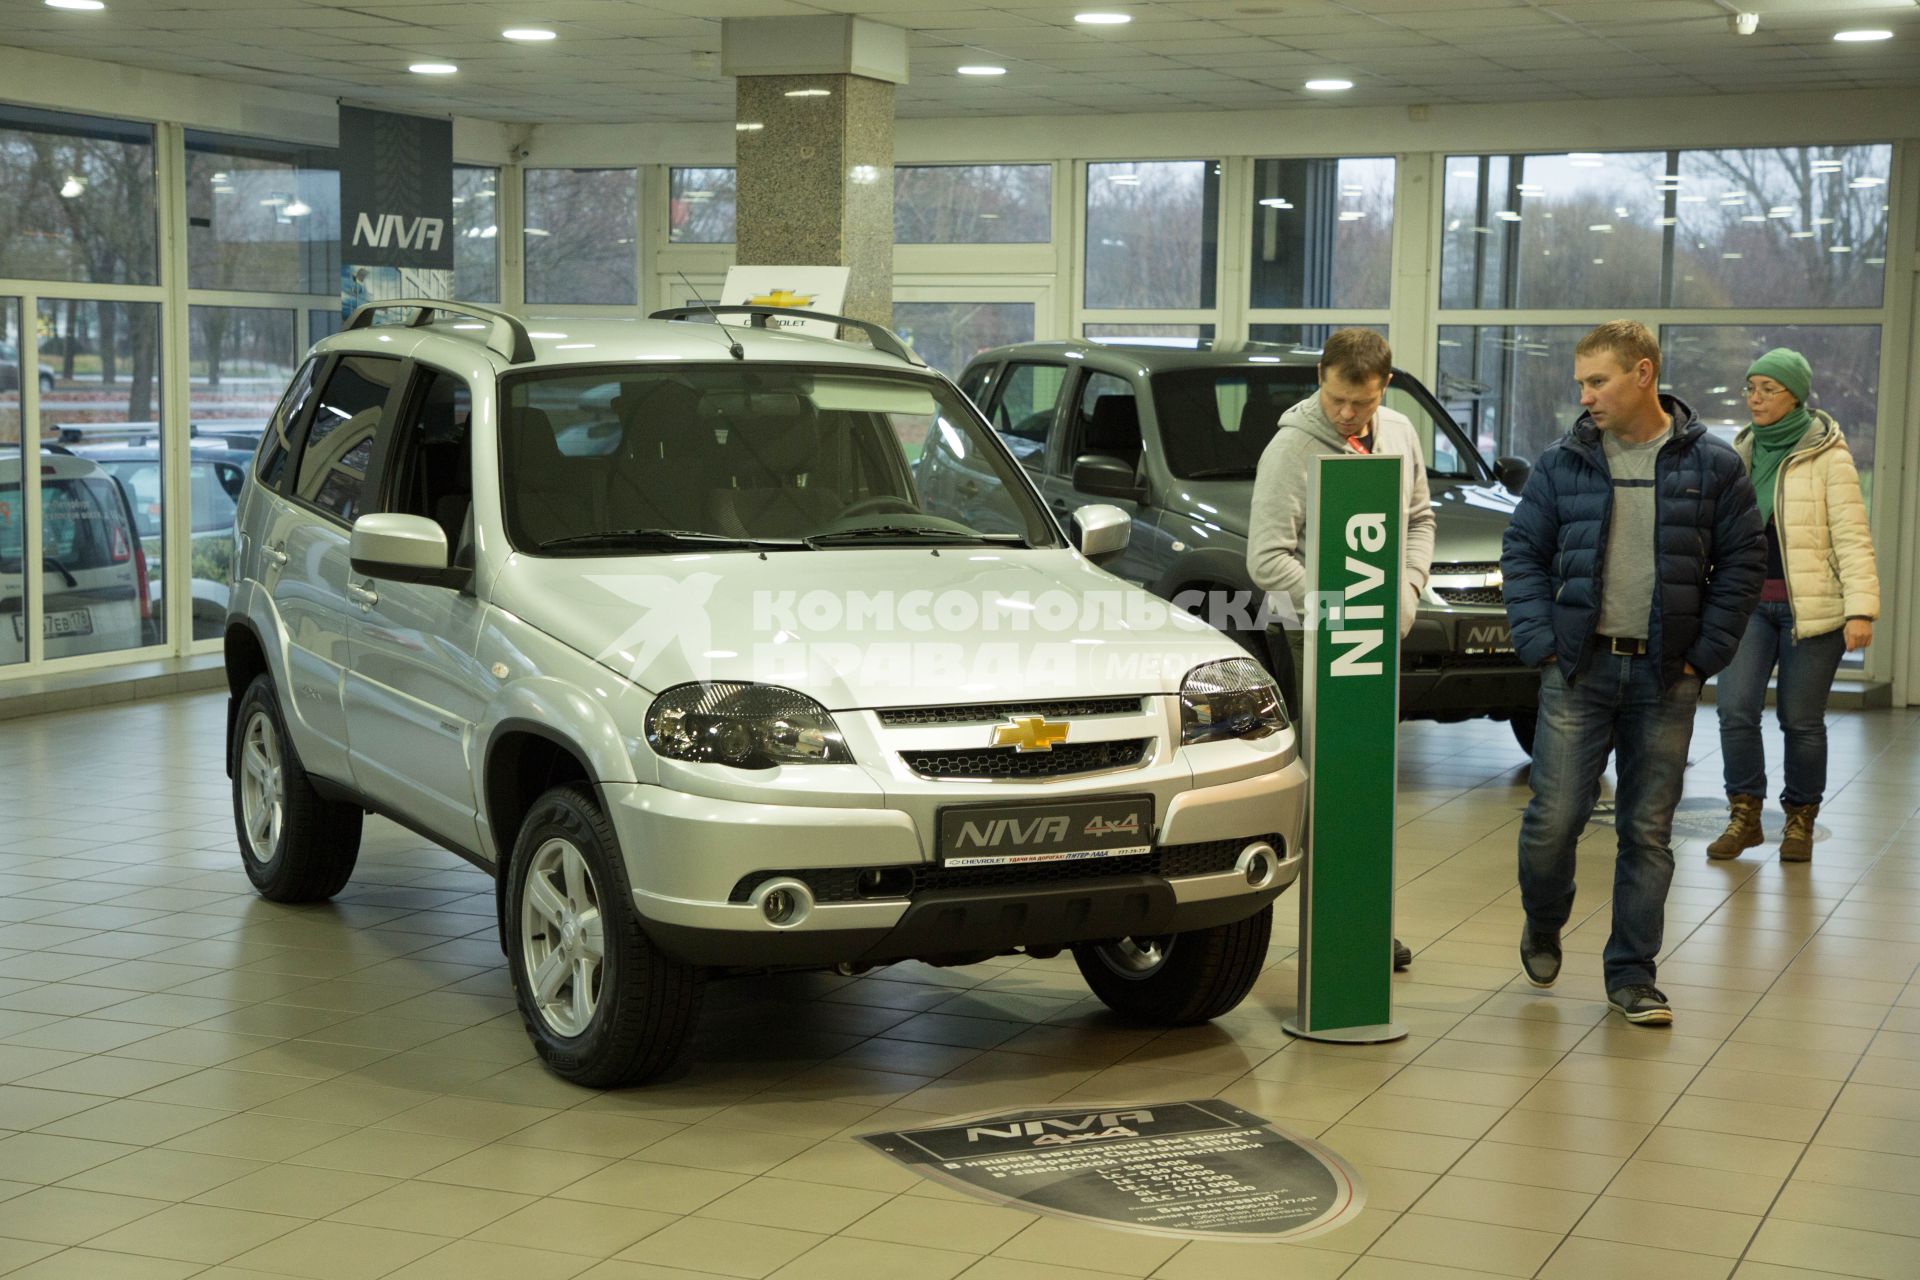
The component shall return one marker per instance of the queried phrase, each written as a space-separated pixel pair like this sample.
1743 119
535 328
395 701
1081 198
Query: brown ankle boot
1796 845
1743 828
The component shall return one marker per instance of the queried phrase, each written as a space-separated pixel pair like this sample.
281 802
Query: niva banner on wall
396 207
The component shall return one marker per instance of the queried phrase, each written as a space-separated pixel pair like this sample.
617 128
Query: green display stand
1351 688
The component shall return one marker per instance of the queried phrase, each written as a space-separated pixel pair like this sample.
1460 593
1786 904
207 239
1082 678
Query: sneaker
1402 956
1540 955
1641 1002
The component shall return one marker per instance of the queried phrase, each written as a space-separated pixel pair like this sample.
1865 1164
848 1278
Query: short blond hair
1356 355
1628 340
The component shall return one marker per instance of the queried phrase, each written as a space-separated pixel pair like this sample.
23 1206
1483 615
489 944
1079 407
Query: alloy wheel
263 800
563 938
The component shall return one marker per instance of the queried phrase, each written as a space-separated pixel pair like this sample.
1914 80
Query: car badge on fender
1029 733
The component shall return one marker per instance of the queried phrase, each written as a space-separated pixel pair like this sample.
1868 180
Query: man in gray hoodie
1346 415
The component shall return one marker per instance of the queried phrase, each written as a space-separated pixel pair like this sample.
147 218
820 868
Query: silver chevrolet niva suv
655 621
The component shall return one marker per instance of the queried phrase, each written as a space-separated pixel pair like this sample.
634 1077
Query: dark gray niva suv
1173 434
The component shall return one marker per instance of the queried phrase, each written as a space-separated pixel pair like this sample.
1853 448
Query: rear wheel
297 845
1178 978
603 1007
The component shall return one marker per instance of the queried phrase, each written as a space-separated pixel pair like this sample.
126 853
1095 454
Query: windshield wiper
1216 473
656 539
911 533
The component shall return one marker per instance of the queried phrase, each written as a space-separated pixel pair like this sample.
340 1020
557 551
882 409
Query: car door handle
276 556
365 597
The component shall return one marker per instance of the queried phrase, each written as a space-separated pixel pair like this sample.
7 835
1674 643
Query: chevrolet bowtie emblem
1029 733
782 298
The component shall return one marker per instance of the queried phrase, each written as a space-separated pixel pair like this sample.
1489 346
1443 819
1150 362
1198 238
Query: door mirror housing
404 548
1101 531
1109 477
1512 473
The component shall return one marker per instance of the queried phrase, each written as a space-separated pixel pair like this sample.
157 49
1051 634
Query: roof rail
882 338
508 336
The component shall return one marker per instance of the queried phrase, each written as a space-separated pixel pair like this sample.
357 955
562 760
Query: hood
1469 520
874 627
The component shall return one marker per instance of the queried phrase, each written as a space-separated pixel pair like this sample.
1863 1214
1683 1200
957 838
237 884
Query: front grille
1010 762
1464 566
842 884
1471 595
988 712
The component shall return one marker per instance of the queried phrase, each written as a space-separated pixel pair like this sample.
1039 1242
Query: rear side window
80 528
1023 414
275 444
339 444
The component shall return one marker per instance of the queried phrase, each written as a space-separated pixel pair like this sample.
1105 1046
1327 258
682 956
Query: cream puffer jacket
1821 519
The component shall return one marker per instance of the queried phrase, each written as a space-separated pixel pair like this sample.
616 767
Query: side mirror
1101 531
1512 473
404 549
1106 476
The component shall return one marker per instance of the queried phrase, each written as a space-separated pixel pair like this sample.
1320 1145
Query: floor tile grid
403 878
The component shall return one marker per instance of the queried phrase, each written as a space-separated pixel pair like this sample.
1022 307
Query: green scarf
1771 445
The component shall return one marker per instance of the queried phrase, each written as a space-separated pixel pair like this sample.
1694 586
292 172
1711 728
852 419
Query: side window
1436 442
431 469
275 443
974 382
1023 412
339 444
1107 419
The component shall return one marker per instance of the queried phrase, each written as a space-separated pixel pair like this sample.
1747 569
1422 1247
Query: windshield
605 461
1215 422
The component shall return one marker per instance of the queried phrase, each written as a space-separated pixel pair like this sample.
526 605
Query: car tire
604 1007
305 851
1523 724
1181 978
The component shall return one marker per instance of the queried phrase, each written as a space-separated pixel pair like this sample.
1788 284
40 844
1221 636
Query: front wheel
603 1007
1523 724
297 845
1178 978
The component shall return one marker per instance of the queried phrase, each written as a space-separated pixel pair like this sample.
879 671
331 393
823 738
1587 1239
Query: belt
1624 646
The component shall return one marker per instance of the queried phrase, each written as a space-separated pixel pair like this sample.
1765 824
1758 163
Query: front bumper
695 863
1450 671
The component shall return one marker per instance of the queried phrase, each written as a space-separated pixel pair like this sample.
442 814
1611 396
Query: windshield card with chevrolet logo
996 835
1204 1169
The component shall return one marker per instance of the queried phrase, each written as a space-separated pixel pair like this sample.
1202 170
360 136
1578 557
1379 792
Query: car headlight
748 726
1231 699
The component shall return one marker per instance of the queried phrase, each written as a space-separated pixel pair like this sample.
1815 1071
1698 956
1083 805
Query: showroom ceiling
651 60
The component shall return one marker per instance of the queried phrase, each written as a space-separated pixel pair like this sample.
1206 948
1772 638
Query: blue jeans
1807 668
1613 702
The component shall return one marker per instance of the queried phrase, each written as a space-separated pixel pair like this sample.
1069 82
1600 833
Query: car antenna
733 344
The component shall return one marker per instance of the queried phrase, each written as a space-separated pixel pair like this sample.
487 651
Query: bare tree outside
1322 232
1152 234
973 204
476 232
700 206
580 233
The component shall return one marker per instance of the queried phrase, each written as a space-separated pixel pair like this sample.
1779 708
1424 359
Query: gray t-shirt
1626 590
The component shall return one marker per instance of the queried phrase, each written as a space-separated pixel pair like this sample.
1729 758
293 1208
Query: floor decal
1204 1168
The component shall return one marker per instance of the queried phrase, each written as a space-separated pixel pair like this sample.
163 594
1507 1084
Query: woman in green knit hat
1821 596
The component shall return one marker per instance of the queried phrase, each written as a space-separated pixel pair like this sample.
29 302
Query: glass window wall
948 334
1322 232
700 206
76 199
973 204
1152 234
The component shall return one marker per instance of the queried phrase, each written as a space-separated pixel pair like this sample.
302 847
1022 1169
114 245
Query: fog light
783 903
1258 863
779 906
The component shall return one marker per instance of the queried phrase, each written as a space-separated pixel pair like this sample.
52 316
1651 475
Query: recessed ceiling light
981 71
1329 86
1844 37
87 5
1103 19
528 34
433 68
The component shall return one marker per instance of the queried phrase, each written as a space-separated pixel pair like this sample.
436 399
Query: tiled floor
196 1082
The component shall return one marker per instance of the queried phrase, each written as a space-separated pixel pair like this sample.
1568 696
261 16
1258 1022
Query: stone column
813 175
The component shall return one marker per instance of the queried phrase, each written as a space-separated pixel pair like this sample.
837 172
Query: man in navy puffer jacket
1630 567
